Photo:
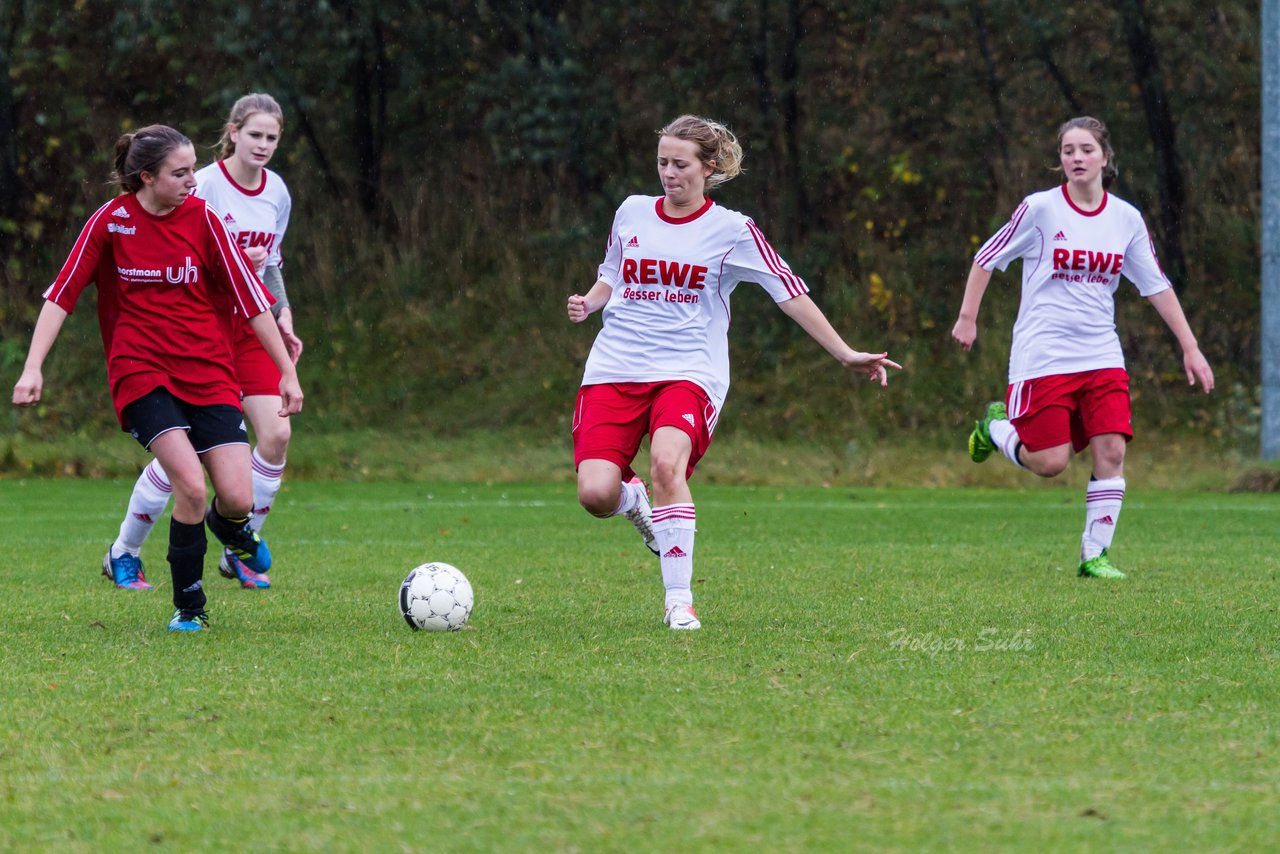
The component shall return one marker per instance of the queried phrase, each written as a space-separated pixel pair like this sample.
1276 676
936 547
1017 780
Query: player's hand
872 365
1197 367
28 388
292 342
578 310
257 257
965 332
290 396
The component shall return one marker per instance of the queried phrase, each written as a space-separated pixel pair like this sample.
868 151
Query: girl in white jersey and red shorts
1068 388
660 364
254 205
168 275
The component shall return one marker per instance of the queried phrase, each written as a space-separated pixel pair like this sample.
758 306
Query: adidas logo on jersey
633 243
1060 236
675 551
120 212
693 422
229 220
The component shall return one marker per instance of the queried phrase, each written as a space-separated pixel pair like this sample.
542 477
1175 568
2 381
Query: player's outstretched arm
965 332
581 306
30 385
805 312
1193 361
264 326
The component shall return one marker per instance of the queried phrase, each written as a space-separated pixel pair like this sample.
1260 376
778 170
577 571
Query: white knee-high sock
1005 437
266 483
674 526
628 499
1101 513
150 496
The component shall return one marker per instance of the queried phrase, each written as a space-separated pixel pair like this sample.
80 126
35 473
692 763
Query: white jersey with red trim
255 217
1072 261
668 315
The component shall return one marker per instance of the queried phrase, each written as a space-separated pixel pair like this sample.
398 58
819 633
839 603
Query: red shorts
1053 410
255 371
611 419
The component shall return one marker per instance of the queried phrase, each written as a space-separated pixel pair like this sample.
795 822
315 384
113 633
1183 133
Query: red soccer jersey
167 286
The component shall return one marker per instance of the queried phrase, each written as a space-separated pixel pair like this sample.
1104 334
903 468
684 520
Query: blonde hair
716 144
144 150
248 105
1101 135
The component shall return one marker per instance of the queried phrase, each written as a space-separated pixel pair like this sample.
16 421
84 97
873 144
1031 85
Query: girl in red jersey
1068 387
168 276
254 204
660 364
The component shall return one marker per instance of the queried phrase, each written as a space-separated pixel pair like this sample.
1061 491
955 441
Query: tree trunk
1155 102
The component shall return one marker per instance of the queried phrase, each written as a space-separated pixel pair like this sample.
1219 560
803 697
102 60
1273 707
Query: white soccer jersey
254 217
668 316
1072 261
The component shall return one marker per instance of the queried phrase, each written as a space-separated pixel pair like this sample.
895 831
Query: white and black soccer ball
436 597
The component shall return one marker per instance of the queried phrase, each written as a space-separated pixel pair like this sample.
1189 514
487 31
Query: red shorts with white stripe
611 419
255 371
1053 410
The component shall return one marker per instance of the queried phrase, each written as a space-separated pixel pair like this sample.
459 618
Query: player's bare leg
187 541
603 493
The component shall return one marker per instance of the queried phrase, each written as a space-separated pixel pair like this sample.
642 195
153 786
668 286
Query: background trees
455 165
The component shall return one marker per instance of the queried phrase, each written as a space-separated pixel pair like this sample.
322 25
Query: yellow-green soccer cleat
1099 567
980 444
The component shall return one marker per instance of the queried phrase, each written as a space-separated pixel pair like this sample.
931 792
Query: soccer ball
436 597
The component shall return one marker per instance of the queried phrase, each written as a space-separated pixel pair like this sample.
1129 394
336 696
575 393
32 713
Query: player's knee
1052 465
598 499
666 472
235 503
273 440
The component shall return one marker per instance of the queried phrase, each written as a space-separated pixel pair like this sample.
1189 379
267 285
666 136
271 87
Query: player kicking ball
660 364
1068 387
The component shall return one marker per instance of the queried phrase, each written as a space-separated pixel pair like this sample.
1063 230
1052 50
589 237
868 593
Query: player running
168 275
254 204
660 364
1068 387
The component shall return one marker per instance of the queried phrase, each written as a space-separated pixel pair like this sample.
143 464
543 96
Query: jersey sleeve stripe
794 284
77 254
234 262
1002 237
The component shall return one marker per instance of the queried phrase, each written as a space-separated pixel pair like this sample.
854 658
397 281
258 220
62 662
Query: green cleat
1099 567
980 444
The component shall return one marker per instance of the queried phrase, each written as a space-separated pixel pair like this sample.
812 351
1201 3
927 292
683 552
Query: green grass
879 669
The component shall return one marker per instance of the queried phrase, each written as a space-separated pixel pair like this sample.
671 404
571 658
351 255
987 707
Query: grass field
879 669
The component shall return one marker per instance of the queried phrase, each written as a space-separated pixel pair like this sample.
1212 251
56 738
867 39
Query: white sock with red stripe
266 483
674 526
629 497
1005 437
1101 512
146 505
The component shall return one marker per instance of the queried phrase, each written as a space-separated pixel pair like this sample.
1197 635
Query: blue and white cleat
125 571
232 567
188 621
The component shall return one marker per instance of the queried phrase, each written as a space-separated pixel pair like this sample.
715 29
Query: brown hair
246 106
1103 136
144 150
716 144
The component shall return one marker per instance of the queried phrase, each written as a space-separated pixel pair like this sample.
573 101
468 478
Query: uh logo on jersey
674 279
1085 266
